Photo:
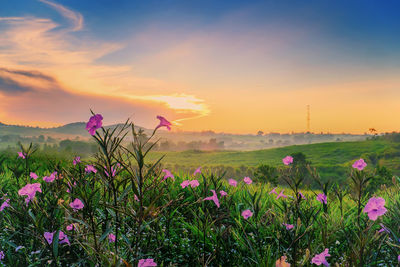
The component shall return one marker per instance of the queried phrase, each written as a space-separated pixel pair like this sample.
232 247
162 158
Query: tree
260 133
266 173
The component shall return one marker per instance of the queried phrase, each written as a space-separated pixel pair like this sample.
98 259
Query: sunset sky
228 66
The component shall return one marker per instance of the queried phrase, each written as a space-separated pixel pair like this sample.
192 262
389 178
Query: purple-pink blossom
49 237
90 168
111 238
273 191
301 195
146 263
30 191
359 164
76 160
320 258
288 226
194 183
5 204
63 238
50 179
247 214
163 123
94 123
214 198
223 193
185 183
71 226
287 160
168 174
21 155
281 195
322 198
2 256
33 175
232 182
77 204
375 208
198 170
247 180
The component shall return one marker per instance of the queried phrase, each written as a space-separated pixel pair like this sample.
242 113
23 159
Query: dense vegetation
118 208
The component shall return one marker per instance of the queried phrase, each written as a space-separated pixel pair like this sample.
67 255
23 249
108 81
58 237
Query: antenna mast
308 118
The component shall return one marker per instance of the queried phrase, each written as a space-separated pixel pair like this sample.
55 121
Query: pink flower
71 227
49 237
147 263
383 229
359 164
194 183
33 175
273 191
287 160
320 258
322 198
247 214
302 196
223 193
281 195
168 174
375 208
90 168
94 123
232 182
197 171
163 122
5 204
21 155
50 179
77 204
111 238
214 198
2 255
136 198
185 183
76 160
398 258
63 238
30 191
113 171
288 226
247 180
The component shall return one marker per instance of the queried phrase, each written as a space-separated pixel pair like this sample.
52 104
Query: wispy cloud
76 18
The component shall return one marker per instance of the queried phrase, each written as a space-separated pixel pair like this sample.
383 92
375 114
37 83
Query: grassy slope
336 153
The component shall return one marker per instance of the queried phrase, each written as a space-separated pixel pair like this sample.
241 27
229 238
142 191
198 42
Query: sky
228 66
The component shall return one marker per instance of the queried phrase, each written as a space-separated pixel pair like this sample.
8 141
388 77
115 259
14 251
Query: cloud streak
76 18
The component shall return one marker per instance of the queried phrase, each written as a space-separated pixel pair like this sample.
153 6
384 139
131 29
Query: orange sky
223 78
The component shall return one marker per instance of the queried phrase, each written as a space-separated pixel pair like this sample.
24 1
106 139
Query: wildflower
76 160
232 182
50 179
113 171
273 191
147 263
49 237
194 183
33 175
5 204
90 168
111 238
2 256
288 226
136 198
301 195
63 238
398 258
94 123
163 122
287 160
77 204
185 183
247 214
197 171
322 198
281 262
168 174
30 191
19 248
320 258
281 195
223 193
359 164
247 180
71 227
375 208
214 198
21 155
